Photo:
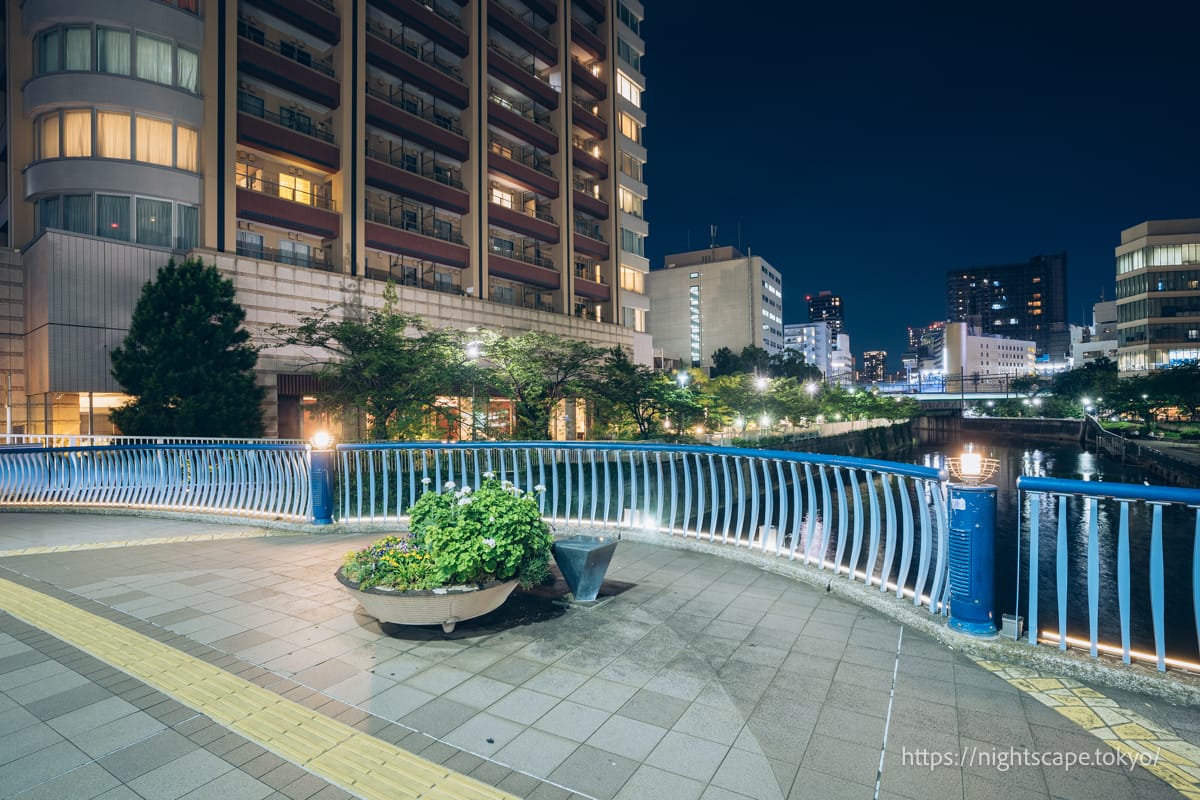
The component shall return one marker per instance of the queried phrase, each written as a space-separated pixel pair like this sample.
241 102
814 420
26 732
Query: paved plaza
698 677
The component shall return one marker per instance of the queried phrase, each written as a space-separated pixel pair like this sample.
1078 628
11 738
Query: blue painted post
972 557
321 469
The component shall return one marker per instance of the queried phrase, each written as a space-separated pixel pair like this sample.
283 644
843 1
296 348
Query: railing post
321 466
972 559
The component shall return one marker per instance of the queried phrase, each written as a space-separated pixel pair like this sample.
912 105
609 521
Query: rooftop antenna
712 232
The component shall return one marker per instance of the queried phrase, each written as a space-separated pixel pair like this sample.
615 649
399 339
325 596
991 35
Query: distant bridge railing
878 522
99 440
254 480
1070 529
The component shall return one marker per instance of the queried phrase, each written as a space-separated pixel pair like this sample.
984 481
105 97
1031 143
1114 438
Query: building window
629 202
112 51
248 177
48 52
630 127
48 211
292 252
293 187
187 148
503 294
77 55
249 244
632 242
628 89
48 142
632 57
77 213
77 134
112 134
632 280
153 59
189 227
112 217
187 66
631 166
501 197
154 144
629 18
153 222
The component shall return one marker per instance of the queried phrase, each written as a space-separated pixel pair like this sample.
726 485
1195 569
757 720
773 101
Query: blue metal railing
800 506
1095 501
245 480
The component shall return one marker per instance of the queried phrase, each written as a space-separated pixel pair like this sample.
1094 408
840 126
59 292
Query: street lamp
682 378
811 388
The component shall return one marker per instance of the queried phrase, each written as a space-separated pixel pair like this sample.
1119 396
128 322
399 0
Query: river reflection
1012 547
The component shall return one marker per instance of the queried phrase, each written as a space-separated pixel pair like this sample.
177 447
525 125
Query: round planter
445 606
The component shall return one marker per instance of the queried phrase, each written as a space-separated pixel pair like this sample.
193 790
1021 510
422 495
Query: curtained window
189 227
78 52
249 244
77 213
153 222
112 217
154 141
49 144
153 59
187 149
188 65
112 135
48 211
77 134
48 55
112 51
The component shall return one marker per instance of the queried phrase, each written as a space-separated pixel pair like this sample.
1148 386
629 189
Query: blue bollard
321 467
972 558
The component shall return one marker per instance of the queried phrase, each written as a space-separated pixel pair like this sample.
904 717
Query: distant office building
874 366
814 340
841 361
1158 295
1099 340
970 354
708 299
924 354
826 307
1020 301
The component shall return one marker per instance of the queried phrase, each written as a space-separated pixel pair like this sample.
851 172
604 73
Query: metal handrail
316 130
263 186
412 104
287 50
423 227
529 156
518 254
426 166
525 110
284 257
415 48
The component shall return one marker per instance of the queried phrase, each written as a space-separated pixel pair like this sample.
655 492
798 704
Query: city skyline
867 151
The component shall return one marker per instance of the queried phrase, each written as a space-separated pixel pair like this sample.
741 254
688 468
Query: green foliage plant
392 562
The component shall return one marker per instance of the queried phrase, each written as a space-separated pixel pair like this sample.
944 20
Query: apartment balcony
287 66
587 161
587 38
524 28
521 122
419 63
584 116
260 201
392 112
319 259
548 8
429 185
443 29
592 290
520 74
594 7
384 231
267 131
318 17
587 201
538 226
530 270
583 75
526 171
589 240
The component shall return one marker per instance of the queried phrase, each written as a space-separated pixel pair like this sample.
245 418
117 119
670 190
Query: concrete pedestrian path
197 660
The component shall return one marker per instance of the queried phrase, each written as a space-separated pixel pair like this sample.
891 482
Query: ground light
322 459
972 544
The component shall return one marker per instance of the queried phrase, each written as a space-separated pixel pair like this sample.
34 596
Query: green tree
791 364
1096 379
187 360
388 364
536 370
725 362
634 396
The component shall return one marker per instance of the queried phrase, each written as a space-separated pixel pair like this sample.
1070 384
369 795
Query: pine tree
187 360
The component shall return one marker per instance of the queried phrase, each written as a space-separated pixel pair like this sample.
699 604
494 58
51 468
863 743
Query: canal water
1012 547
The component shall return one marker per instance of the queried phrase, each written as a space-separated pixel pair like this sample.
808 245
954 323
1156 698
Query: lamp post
473 351
972 544
322 463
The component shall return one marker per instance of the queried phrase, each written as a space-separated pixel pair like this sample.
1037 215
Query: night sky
866 148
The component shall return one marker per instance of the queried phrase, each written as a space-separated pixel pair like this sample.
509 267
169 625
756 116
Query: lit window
502 198
248 177
187 149
112 134
49 141
629 90
293 187
632 280
630 127
154 141
187 65
77 134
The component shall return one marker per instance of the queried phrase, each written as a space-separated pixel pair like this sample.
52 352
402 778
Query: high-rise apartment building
814 341
827 307
486 156
874 366
1158 295
708 299
1020 301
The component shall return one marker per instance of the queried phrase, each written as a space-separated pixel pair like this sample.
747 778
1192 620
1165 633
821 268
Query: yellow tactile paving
196 537
1174 760
359 763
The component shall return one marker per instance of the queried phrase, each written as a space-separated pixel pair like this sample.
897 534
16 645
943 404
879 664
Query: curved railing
257 480
1149 594
878 522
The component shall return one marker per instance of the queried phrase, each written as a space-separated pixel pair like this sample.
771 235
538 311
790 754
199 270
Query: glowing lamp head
321 440
971 465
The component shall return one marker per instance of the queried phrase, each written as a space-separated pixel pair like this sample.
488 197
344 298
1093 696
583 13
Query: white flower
448 485
465 490
490 542
489 475
541 487
464 501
